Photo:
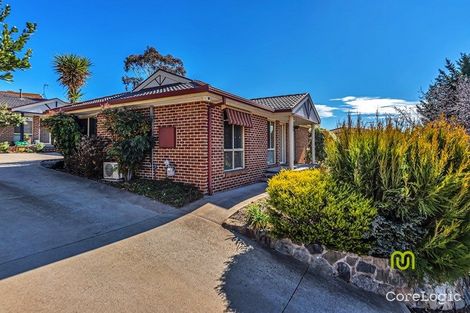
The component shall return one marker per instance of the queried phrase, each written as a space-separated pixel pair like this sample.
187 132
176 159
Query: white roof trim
312 114
161 78
39 103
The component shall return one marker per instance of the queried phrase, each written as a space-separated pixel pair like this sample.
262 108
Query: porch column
291 142
22 130
312 130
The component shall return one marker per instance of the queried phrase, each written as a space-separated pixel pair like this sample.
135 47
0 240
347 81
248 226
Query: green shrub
130 131
321 135
4 146
308 207
64 128
88 158
257 216
418 179
39 147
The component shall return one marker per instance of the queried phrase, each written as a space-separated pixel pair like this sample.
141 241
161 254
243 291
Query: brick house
32 106
211 138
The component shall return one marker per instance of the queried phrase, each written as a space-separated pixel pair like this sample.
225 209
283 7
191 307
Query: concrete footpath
74 245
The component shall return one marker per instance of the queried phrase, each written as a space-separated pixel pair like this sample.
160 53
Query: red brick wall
190 154
6 134
301 144
36 125
255 153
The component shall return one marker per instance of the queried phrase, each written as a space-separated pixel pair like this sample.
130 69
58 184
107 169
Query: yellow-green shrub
307 207
419 180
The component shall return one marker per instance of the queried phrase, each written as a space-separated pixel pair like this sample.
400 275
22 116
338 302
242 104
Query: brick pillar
36 126
301 144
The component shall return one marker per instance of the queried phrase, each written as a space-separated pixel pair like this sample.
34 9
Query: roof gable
161 78
306 109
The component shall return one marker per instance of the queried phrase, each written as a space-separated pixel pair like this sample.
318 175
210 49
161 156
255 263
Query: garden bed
166 191
21 147
366 272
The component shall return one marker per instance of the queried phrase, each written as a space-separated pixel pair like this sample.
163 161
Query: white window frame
274 142
233 150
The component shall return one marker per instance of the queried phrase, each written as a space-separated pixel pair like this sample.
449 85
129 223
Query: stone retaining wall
366 272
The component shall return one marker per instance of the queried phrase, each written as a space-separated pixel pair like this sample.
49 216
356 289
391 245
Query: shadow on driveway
262 280
47 215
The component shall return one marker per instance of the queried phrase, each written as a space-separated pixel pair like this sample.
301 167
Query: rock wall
366 272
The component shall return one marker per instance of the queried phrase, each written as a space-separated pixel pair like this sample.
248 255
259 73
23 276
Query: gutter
202 88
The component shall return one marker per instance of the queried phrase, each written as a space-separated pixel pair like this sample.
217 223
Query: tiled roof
281 102
24 94
15 101
144 92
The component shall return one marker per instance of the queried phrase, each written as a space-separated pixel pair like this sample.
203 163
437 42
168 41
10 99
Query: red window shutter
167 137
239 118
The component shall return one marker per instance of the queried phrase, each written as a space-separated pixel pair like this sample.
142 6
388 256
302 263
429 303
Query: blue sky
350 55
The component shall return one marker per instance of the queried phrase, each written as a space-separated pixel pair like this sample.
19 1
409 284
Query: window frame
40 133
273 149
87 133
15 133
233 149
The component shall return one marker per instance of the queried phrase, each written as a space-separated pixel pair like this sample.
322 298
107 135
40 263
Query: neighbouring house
211 138
33 107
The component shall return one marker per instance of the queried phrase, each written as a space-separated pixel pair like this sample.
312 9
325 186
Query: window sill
236 172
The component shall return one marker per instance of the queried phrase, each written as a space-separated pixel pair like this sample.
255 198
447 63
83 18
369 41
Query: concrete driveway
74 245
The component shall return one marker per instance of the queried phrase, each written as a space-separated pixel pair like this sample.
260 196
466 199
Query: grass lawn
166 191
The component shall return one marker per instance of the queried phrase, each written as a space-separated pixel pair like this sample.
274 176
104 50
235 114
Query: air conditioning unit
111 171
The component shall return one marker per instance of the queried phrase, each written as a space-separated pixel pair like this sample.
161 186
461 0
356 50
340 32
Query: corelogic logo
402 260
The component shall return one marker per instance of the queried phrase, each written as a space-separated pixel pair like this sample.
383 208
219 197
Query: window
87 126
234 155
27 130
45 135
271 142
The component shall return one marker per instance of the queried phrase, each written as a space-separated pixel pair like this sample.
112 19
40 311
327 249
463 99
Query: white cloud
325 110
372 105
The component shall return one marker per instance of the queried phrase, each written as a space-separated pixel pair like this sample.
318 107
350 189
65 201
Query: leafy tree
10 60
463 101
64 128
448 95
9 118
73 71
143 65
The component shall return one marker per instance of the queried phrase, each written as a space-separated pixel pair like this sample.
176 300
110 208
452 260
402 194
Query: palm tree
73 71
